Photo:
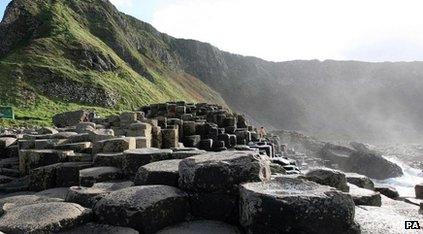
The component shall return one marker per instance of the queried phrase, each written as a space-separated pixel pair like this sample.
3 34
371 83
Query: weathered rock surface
56 175
201 226
12 202
88 196
144 208
31 159
388 191
214 172
292 205
360 160
44 218
69 118
361 181
162 172
389 218
328 177
89 176
108 160
97 228
215 206
419 191
365 197
115 145
133 159
60 193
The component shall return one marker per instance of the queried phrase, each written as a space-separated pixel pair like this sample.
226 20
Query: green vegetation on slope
69 62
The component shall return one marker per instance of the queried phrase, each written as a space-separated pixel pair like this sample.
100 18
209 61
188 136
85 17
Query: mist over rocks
353 157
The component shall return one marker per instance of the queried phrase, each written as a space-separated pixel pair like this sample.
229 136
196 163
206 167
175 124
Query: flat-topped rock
56 175
144 208
374 219
97 228
80 147
88 196
361 181
329 177
108 160
44 218
89 176
289 204
162 172
114 145
188 152
201 226
12 202
364 197
54 193
31 159
221 171
388 191
133 159
63 135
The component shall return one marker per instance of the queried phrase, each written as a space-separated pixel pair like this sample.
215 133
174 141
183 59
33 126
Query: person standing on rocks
262 133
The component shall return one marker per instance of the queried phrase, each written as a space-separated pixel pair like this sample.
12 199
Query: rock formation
143 172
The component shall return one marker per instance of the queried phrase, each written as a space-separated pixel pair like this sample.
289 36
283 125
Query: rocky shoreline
188 168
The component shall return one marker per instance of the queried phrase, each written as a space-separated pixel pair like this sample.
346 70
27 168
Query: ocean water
404 184
406 157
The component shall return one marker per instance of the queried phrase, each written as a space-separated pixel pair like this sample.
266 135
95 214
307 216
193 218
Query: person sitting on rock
262 133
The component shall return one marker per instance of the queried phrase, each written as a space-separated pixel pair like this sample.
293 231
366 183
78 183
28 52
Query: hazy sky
278 30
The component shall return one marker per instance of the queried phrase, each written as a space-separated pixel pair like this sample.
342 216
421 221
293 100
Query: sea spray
404 184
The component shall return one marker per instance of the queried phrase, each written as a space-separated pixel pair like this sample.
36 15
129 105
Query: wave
404 184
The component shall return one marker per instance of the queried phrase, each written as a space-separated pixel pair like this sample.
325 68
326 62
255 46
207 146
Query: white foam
404 184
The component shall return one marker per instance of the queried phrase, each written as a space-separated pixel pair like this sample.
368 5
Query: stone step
89 176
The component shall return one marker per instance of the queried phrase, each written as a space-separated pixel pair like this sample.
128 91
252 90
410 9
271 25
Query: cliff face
54 52
336 100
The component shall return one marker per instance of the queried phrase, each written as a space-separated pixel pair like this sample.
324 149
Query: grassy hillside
65 55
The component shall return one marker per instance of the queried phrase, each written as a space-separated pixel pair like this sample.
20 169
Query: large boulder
361 181
31 159
44 218
419 191
69 118
220 172
108 160
56 175
144 208
12 202
89 176
88 196
201 226
365 197
328 177
162 172
114 145
295 205
360 160
388 191
133 159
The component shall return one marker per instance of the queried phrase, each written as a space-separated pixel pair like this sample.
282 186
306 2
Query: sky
280 30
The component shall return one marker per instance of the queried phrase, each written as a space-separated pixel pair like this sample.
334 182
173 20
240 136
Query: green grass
65 31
